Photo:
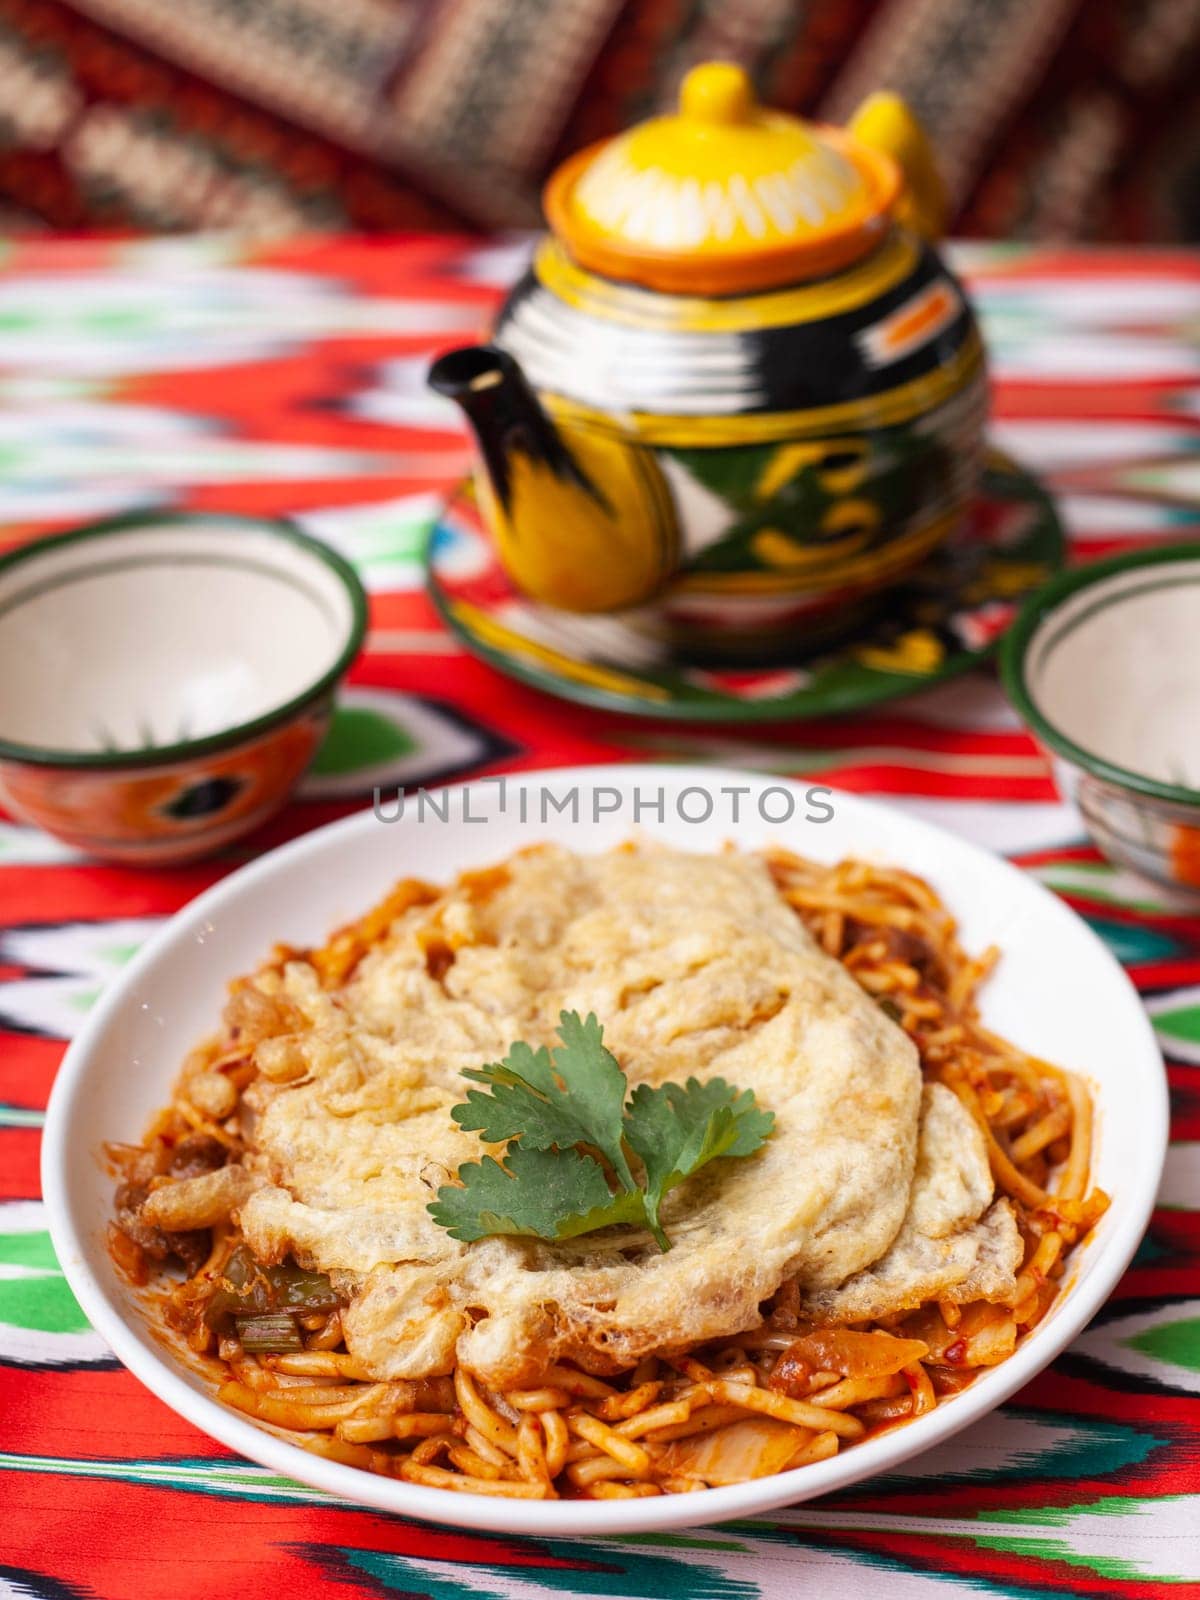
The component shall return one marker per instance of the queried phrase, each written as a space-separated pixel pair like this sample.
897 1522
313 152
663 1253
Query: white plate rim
550 1519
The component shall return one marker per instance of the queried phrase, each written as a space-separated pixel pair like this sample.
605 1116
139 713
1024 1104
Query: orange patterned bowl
166 679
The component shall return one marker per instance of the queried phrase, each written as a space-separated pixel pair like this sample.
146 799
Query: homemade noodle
784 1394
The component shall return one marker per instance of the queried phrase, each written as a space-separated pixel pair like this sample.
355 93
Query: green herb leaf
548 1104
574 1096
677 1129
546 1194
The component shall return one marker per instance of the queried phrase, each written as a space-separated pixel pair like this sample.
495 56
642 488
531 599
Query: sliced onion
854 1355
755 1448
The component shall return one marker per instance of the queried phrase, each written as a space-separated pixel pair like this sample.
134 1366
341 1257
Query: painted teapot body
737 393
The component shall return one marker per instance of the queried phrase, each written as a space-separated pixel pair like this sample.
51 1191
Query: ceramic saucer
943 620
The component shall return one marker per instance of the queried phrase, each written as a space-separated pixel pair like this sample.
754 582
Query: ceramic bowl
166 679
1104 665
1056 992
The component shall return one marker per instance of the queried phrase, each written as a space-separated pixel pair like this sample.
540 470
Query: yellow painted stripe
871 568
641 308
893 406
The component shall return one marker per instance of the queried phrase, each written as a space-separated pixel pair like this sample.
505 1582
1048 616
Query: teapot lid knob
718 92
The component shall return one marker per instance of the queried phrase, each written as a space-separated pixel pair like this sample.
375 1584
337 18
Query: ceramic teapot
737 393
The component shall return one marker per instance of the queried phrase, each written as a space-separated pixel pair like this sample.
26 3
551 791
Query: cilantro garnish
572 1136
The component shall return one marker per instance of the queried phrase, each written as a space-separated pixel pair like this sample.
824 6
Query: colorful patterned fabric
1055 118
186 374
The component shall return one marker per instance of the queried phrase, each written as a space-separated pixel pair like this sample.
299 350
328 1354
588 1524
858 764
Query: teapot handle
886 123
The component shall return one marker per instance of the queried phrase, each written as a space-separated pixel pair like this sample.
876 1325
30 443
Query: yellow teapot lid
723 197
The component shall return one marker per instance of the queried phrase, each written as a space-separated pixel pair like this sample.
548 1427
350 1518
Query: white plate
1057 992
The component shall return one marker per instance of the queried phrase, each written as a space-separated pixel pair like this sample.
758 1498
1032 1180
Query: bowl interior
1112 669
1057 991
155 634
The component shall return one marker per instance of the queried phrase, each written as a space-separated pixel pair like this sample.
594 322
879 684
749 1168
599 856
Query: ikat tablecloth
205 375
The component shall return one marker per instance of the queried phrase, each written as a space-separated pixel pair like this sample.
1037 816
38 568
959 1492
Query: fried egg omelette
874 1191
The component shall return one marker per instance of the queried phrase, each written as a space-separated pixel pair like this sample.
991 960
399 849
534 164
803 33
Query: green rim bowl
1104 666
165 679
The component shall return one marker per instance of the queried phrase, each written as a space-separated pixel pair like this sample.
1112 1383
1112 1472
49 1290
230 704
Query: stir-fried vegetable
248 1291
842 1350
756 1448
273 1333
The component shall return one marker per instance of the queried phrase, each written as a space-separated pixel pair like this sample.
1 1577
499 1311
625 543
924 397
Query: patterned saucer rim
808 701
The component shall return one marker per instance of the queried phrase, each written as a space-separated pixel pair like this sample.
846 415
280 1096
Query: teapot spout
581 526
505 415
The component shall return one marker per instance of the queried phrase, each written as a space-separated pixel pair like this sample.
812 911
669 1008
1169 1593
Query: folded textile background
1055 119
